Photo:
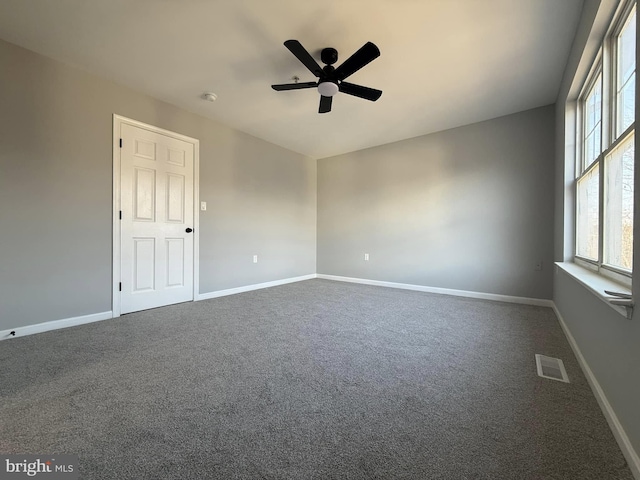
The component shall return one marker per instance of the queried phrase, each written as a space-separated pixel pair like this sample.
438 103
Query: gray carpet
311 380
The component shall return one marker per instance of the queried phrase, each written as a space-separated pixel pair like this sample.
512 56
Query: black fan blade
355 62
325 104
360 91
294 86
301 54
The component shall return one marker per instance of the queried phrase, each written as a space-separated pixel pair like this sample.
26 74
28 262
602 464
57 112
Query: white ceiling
443 63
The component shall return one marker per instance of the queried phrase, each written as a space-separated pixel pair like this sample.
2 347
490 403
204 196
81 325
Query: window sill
597 284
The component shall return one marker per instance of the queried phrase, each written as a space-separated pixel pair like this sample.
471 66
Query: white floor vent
552 368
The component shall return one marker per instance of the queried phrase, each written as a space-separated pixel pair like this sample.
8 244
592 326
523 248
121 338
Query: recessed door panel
144 264
145 149
175 262
175 198
176 157
144 195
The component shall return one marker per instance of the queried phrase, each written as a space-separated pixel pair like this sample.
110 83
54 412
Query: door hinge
120 143
120 287
120 214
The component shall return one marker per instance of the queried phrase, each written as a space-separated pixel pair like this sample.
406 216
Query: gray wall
469 208
56 193
608 342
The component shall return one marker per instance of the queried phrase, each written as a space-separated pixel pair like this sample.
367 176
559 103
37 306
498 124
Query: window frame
605 65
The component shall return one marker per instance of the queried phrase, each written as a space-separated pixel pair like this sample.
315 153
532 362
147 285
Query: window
605 164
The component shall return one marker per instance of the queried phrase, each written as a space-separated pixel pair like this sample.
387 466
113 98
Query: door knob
189 230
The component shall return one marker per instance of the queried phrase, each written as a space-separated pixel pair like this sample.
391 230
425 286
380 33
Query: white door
156 188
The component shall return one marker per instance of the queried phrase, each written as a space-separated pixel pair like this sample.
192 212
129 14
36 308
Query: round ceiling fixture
210 96
327 89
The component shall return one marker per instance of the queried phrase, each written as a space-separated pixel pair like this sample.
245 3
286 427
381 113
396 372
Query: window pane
626 105
618 206
592 123
587 219
592 147
592 98
589 150
625 76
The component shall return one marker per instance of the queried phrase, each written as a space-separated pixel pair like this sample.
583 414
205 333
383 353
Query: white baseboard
256 286
96 317
443 291
54 325
633 460
71 322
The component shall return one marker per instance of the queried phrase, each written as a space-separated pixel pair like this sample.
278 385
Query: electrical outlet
255 259
366 257
203 206
539 265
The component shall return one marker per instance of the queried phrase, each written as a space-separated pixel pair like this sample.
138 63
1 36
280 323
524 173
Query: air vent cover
551 368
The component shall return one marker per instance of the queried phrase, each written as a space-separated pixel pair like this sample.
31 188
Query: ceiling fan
330 79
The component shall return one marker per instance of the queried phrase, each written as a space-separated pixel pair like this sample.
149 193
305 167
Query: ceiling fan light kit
330 79
328 89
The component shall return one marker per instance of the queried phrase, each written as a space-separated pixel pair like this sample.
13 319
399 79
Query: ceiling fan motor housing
329 56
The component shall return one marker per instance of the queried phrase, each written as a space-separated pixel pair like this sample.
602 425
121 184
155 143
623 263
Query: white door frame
117 123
